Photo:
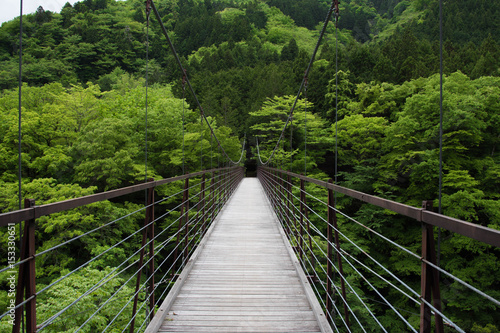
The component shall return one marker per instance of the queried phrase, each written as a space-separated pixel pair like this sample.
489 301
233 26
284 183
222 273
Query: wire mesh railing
90 295
361 287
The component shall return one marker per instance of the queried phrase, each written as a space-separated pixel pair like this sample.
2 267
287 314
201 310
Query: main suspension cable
179 63
302 84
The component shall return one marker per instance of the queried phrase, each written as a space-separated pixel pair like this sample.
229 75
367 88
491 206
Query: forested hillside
84 73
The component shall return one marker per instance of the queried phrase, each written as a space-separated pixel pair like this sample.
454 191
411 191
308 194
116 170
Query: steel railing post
149 217
212 197
27 276
302 213
202 201
289 213
329 264
429 279
331 210
185 203
281 203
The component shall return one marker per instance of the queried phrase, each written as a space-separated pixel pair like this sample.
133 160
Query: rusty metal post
302 213
179 226
308 223
230 178
212 197
282 207
215 189
27 276
223 188
329 264
331 204
289 213
281 202
151 213
271 185
185 200
277 192
227 187
220 188
202 201
147 229
429 280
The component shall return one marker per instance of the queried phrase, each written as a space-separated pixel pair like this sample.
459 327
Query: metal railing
306 208
162 254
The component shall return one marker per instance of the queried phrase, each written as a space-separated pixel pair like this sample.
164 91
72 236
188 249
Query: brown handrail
18 216
26 284
471 230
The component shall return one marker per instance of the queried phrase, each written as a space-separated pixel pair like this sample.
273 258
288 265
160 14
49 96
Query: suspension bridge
245 257
242 254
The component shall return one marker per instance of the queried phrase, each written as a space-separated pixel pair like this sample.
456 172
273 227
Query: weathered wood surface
244 277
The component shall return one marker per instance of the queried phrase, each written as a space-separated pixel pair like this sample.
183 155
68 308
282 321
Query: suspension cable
371 230
291 142
167 271
440 124
366 280
317 260
336 96
306 74
20 111
322 268
305 128
183 122
201 141
103 281
179 63
343 254
144 284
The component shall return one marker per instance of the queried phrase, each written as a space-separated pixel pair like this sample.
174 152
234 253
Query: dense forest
83 103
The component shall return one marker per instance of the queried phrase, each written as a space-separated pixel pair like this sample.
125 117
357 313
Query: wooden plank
297 315
247 308
206 318
235 329
303 324
244 280
186 303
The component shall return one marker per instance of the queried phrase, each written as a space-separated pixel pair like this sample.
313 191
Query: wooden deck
243 277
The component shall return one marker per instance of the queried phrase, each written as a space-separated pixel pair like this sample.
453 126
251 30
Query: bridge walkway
244 277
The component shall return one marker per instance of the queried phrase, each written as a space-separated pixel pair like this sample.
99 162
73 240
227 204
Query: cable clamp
336 12
148 9
184 79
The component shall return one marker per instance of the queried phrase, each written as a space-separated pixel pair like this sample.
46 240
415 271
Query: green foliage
267 125
84 125
68 290
59 227
388 144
